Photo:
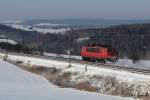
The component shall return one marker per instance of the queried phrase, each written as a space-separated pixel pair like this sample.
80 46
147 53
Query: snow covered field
16 84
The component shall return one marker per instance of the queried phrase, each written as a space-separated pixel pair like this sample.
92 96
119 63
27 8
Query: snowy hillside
39 28
9 41
49 24
16 84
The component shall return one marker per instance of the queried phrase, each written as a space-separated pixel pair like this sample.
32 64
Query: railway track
119 68
94 64
128 69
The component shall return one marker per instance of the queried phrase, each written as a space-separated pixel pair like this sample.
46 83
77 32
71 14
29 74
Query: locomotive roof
100 45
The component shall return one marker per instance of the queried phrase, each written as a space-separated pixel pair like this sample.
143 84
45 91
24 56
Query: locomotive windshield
96 50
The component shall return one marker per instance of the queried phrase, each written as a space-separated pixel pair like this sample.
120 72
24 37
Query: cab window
96 50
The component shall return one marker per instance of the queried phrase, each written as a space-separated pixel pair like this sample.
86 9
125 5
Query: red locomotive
98 52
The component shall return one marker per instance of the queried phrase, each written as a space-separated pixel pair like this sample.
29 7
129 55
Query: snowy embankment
83 76
141 64
62 55
16 84
121 75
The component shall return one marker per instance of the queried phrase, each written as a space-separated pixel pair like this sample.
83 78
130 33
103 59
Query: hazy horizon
74 9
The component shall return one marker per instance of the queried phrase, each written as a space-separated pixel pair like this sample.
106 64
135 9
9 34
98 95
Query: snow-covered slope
41 30
49 24
16 84
9 41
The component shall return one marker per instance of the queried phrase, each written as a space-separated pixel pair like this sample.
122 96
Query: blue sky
60 9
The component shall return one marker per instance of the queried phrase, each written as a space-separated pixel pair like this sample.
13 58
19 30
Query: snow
21 27
141 64
82 39
62 55
79 67
41 30
51 30
9 41
120 75
48 24
16 84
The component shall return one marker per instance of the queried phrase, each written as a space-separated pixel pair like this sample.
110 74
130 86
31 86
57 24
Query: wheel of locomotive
105 61
84 58
114 60
93 60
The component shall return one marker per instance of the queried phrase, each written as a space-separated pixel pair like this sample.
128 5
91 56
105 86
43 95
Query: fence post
86 68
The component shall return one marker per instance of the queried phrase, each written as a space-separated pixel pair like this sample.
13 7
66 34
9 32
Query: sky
64 9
